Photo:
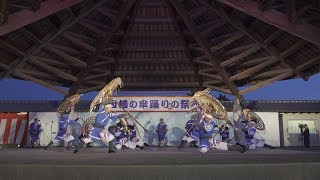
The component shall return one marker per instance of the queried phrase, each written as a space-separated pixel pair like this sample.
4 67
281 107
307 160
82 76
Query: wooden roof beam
18 62
13 48
275 18
30 34
226 42
72 60
101 44
216 88
273 36
106 73
51 61
213 27
268 61
203 72
213 59
3 12
92 28
240 56
282 76
150 85
53 70
35 4
293 48
291 10
153 73
266 82
25 17
78 42
236 22
108 12
38 81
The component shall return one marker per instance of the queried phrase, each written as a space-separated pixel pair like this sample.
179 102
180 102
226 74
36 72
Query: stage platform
159 163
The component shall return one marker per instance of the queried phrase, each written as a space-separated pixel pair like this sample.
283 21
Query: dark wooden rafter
265 5
19 62
240 55
279 57
282 76
78 42
38 81
213 59
30 34
124 39
12 48
21 74
275 18
226 42
72 60
104 42
25 17
291 10
54 70
150 84
183 40
3 11
244 74
35 4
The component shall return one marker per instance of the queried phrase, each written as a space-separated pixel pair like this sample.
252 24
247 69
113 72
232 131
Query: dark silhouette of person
306 136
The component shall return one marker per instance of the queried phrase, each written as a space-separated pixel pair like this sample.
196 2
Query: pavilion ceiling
159 44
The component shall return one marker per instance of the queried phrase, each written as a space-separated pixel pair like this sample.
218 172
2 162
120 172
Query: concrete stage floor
159 163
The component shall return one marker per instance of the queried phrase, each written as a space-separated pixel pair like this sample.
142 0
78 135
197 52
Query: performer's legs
193 144
236 147
34 139
70 140
268 146
239 135
182 143
82 142
111 146
69 144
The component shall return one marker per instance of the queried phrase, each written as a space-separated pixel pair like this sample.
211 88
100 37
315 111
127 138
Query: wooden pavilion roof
226 45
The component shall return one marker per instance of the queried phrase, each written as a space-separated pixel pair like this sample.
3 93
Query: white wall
175 120
292 139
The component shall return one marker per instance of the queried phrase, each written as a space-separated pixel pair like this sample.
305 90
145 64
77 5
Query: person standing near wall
306 136
34 131
161 130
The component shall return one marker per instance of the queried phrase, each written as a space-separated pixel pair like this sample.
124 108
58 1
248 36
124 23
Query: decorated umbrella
69 103
104 96
252 116
210 104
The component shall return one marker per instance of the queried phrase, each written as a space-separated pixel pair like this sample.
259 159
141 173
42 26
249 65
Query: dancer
203 133
63 134
133 137
98 132
187 137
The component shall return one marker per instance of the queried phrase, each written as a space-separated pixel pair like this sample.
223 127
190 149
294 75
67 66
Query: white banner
152 103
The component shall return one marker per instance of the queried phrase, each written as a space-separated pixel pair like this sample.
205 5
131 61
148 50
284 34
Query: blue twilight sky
296 89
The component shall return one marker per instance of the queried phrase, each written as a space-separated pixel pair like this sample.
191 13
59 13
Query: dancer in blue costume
34 131
99 132
63 134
